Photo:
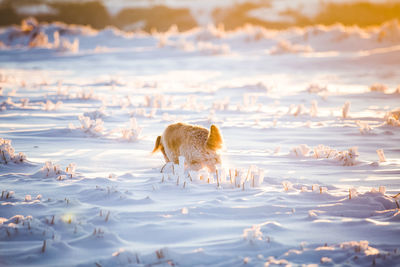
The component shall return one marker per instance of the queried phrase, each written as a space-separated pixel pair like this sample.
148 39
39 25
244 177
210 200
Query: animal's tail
158 145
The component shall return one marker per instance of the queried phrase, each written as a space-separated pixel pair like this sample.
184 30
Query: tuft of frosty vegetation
132 133
300 151
378 87
345 109
50 106
96 114
89 126
210 33
360 247
393 118
381 155
7 153
346 157
253 234
157 101
389 31
25 227
285 47
364 127
52 170
84 95
314 108
141 112
221 104
192 104
8 104
182 174
35 35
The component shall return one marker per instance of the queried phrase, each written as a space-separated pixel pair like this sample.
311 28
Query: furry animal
198 145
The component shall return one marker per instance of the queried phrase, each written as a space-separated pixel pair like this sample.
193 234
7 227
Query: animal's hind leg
164 154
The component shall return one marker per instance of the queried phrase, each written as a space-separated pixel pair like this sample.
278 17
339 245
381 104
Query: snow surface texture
310 173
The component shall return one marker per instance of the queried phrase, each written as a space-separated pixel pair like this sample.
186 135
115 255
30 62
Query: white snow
305 179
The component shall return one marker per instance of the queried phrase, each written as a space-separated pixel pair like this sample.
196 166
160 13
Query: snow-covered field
311 167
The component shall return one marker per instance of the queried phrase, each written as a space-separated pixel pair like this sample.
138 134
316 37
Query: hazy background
159 15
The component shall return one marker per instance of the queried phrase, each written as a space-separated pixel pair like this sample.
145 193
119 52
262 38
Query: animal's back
183 139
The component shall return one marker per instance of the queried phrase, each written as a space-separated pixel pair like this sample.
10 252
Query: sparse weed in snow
210 33
70 169
221 104
381 155
300 110
271 261
393 118
96 114
213 49
364 127
378 87
346 157
8 104
238 178
53 170
360 247
91 127
285 47
322 151
7 153
352 193
345 110
300 151
349 157
253 234
50 169
316 88
287 185
49 105
84 95
141 112
132 133
191 104
157 101
314 109
6 194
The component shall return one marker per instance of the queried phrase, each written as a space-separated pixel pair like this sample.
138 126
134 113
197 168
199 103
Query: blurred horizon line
160 16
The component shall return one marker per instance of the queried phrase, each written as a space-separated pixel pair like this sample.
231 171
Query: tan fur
158 145
198 145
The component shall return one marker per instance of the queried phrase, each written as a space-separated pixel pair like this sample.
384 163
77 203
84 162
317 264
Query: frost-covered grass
270 201
345 157
8 155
